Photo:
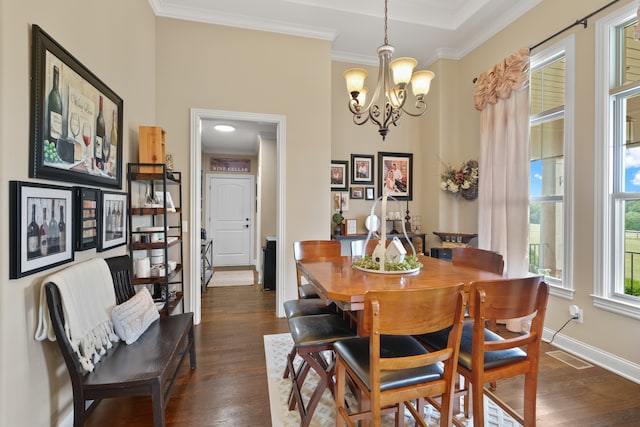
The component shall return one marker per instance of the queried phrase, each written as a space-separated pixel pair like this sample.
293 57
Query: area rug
231 278
276 348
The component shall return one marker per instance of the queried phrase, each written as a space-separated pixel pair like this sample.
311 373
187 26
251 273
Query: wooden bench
147 367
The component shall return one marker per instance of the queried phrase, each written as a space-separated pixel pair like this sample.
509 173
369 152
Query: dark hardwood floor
229 385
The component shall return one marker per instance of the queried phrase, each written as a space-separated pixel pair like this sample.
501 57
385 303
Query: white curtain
502 97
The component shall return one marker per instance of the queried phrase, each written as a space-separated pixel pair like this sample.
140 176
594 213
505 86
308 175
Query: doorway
230 218
195 197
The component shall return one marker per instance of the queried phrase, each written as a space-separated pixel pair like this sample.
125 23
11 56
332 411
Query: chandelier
388 101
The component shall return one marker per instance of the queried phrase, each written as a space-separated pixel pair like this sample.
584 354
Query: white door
230 201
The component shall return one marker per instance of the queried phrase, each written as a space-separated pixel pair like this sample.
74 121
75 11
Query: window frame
606 230
564 287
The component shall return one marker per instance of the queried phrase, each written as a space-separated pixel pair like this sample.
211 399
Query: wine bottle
54 232
33 235
62 230
111 146
118 220
54 109
44 233
109 223
100 133
113 219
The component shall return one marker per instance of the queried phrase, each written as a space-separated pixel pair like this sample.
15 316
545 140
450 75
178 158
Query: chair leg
340 393
530 390
477 404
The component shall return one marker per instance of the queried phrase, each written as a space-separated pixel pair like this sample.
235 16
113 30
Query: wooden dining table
336 280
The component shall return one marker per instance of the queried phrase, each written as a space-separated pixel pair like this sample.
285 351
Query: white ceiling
424 29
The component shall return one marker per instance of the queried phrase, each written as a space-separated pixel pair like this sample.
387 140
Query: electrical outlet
576 313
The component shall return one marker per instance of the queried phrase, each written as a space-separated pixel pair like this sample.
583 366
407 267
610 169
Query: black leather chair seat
492 359
309 331
307 291
307 307
355 352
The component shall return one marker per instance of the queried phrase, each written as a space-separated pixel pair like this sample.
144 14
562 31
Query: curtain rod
582 21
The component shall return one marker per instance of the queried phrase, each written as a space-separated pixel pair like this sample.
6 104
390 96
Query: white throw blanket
88 297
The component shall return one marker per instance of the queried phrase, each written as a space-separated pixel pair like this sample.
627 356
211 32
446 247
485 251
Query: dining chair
308 302
478 258
358 247
486 357
313 249
389 366
314 338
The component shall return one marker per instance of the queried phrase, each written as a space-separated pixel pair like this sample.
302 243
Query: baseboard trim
606 360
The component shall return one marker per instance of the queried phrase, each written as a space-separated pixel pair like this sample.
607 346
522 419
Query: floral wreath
463 181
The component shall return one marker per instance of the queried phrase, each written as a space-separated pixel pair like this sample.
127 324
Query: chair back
478 258
494 358
121 268
316 250
410 312
508 298
358 249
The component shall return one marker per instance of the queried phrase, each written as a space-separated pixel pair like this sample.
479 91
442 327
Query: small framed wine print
112 226
40 232
76 120
86 224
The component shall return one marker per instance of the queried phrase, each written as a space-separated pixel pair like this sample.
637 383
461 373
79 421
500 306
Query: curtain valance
502 79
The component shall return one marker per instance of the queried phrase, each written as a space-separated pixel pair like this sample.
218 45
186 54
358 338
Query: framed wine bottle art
112 225
40 230
76 120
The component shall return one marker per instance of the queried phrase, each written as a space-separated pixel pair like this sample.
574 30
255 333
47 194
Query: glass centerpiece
383 259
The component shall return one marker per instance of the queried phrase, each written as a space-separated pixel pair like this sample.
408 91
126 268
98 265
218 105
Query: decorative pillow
133 317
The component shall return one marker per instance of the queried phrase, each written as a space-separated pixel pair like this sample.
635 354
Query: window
550 149
618 173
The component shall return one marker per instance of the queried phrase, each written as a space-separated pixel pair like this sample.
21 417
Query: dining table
337 280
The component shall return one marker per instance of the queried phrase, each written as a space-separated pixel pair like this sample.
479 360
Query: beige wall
120 49
268 189
222 68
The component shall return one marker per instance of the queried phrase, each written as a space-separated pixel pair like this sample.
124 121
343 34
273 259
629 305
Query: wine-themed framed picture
41 231
112 226
76 120
87 208
395 175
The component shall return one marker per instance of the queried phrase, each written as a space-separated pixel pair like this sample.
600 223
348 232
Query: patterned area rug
231 278
277 347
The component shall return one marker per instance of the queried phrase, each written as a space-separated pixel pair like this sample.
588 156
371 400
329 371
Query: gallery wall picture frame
341 202
395 175
339 175
161 196
112 225
87 211
76 119
34 247
369 193
357 193
362 167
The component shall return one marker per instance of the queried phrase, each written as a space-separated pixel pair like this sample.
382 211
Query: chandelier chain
386 38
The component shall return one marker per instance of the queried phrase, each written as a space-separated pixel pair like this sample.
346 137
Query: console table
206 263
345 240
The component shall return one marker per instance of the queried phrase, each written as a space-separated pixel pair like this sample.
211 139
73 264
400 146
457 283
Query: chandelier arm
420 109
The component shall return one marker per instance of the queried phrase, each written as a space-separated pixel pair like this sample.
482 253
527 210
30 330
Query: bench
147 367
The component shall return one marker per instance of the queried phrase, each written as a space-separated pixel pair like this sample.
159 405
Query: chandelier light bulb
402 69
421 82
355 80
